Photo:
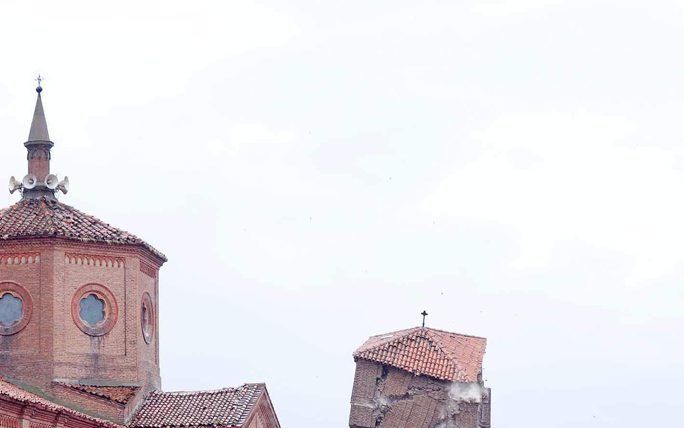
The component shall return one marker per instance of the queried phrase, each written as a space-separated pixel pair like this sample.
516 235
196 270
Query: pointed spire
39 130
39 183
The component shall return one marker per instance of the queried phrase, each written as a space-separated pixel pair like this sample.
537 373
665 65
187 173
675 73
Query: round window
147 318
11 309
94 309
15 308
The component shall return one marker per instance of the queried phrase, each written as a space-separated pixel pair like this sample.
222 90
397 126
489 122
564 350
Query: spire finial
424 314
39 79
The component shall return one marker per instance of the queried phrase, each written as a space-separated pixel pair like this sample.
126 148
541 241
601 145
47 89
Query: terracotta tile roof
118 394
430 352
16 393
229 407
32 218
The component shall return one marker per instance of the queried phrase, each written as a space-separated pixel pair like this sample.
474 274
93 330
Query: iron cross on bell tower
424 314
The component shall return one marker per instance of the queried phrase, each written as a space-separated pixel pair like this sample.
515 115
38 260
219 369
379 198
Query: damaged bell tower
420 378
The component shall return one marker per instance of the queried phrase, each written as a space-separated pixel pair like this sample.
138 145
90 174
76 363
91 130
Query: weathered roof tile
16 393
228 407
34 218
118 394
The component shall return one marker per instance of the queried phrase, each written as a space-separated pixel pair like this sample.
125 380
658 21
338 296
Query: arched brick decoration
110 308
20 292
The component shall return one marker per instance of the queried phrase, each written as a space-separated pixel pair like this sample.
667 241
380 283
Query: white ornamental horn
14 185
51 181
29 182
63 186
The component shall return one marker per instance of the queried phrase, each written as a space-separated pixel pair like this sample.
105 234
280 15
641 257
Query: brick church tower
78 297
79 319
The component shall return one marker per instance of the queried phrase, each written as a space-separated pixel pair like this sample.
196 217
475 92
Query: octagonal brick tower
78 298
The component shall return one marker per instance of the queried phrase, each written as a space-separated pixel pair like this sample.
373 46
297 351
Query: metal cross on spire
39 79
424 314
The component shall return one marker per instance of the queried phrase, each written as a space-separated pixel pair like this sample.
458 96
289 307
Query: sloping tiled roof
229 407
118 394
15 393
430 352
32 218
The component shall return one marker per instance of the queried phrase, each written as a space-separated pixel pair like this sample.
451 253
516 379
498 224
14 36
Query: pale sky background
319 172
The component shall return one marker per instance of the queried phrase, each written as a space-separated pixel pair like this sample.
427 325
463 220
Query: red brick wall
14 414
78 355
387 397
89 404
263 415
148 353
27 353
52 346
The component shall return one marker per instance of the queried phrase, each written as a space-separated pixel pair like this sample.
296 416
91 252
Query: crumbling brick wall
387 397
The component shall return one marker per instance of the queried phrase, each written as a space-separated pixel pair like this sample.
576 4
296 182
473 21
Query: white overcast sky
319 172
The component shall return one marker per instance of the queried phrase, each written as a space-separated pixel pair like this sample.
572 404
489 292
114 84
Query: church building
78 320
420 378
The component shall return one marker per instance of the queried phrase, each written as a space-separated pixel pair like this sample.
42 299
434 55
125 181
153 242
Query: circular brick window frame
147 327
111 310
21 293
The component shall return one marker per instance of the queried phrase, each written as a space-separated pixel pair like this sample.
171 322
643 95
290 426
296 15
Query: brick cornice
19 258
148 269
41 243
95 260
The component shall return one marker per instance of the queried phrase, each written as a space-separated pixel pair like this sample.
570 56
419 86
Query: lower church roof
228 407
16 393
